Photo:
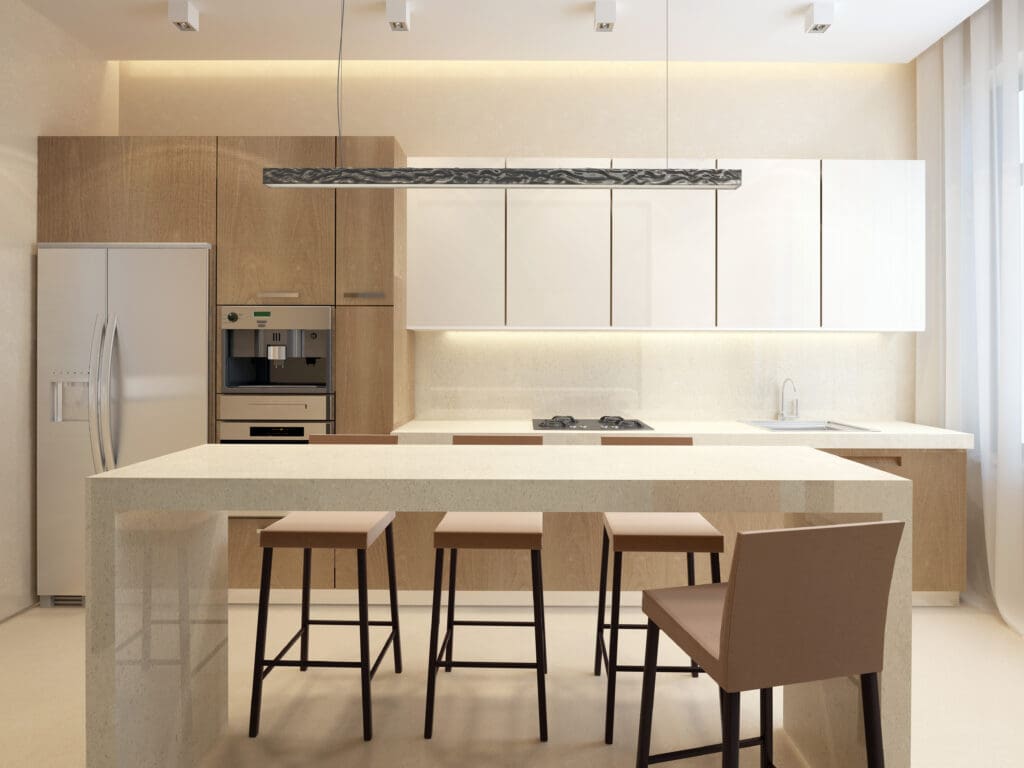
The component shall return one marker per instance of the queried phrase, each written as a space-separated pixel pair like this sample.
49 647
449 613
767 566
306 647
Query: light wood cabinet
245 559
559 252
663 253
769 256
873 245
371 226
456 271
275 246
127 189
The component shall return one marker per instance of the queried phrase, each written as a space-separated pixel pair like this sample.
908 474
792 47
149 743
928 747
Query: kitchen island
157 538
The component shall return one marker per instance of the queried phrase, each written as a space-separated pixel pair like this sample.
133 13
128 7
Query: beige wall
49 85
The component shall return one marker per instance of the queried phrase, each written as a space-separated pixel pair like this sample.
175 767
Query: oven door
271 431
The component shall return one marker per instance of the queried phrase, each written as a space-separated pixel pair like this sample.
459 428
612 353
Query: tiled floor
968 700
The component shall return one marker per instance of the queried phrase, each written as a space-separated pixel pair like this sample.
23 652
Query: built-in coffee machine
275 379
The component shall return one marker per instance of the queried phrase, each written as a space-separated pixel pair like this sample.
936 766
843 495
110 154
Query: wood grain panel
124 189
245 559
371 227
940 511
364 363
414 555
273 240
623 440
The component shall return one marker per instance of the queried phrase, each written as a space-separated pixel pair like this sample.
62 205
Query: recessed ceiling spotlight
183 15
397 12
820 16
604 15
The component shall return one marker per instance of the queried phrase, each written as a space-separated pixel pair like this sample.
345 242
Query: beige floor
968 716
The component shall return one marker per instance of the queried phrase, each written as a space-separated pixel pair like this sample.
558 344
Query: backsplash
509 374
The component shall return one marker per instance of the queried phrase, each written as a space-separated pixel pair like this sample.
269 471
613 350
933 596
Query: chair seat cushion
490 530
662 532
692 618
326 530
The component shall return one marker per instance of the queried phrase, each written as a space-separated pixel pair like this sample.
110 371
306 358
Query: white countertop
899 435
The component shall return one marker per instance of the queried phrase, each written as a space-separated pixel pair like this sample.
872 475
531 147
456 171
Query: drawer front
274 407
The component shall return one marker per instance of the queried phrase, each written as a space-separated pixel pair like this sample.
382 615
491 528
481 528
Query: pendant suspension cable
337 88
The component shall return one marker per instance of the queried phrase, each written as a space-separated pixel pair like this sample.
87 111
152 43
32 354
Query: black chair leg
261 643
307 557
543 627
538 636
364 643
453 559
716 569
613 649
691 579
872 720
435 620
643 745
731 730
602 589
767 728
389 536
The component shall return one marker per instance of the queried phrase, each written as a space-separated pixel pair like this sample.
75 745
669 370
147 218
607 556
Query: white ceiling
701 30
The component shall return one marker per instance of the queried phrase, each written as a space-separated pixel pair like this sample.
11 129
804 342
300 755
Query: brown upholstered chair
328 530
650 532
801 604
486 530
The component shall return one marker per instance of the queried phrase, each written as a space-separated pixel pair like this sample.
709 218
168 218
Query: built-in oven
276 374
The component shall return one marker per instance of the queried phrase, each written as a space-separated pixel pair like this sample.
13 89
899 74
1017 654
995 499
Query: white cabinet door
663 253
872 245
559 252
769 255
456 251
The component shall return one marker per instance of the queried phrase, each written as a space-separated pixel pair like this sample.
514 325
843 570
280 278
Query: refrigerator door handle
98 463
106 423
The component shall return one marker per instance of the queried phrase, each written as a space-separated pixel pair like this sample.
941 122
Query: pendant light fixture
505 178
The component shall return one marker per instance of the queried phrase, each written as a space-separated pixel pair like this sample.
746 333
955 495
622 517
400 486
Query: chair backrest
497 440
807 604
647 440
353 440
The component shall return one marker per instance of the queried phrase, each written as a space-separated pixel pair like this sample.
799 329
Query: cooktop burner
610 423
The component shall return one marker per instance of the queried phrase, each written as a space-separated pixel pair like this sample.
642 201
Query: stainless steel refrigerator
121 376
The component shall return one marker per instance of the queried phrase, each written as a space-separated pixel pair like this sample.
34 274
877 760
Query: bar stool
486 530
802 604
650 532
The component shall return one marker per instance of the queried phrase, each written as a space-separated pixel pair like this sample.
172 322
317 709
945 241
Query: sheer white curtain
970 374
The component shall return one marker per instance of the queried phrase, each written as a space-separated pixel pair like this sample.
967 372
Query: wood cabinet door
364 370
769 254
873 245
275 246
371 226
127 189
559 252
663 253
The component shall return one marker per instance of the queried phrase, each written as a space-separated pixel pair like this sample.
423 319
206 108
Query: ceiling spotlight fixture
604 15
397 12
183 15
820 16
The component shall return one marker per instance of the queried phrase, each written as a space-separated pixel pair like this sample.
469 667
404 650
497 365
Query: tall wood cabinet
275 246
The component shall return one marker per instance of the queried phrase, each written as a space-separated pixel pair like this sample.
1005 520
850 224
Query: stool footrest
280 661
475 623
690 669
710 749
625 626
346 623
440 662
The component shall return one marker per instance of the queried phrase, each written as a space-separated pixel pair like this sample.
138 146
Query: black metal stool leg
389 537
716 569
872 720
691 579
538 637
731 731
643 745
364 644
602 589
767 728
453 559
307 557
543 627
435 619
261 643
613 649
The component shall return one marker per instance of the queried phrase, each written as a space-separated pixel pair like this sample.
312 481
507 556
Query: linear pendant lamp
504 178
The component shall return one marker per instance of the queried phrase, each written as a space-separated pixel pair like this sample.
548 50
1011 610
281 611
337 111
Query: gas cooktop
612 423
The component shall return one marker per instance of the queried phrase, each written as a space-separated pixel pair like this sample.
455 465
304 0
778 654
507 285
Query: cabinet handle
278 294
363 294
896 459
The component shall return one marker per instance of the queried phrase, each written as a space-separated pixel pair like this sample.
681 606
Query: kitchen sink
807 426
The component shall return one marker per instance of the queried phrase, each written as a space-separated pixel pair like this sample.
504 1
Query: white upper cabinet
559 252
769 256
663 253
456 251
873 245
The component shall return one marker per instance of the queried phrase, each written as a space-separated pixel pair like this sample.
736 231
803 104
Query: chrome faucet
795 402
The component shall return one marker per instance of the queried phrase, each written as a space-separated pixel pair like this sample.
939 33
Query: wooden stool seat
692 618
326 530
662 532
490 530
